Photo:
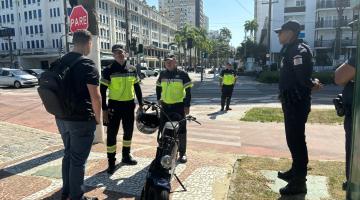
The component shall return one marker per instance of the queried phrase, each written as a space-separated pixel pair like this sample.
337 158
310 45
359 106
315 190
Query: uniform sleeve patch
298 60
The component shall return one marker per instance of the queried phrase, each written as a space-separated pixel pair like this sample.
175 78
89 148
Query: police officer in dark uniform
123 83
227 83
295 87
344 76
173 90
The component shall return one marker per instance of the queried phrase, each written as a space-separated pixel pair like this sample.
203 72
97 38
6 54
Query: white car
16 78
147 72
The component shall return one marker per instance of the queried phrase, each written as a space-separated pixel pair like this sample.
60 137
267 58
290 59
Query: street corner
256 178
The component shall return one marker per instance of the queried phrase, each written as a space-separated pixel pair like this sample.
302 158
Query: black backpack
55 90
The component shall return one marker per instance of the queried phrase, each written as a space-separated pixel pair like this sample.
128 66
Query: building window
28 44
32 44
24 2
53 41
300 3
27 30
40 29
25 15
7 3
34 12
14 45
31 30
58 12
59 27
37 44
12 17
52 28
8 18
39 13
51 12
42 43
11 4
55 28
30 15
36 29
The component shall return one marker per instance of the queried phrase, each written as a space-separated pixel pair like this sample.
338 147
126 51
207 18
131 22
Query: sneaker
183 158
294 187
222 109
128 160
286 176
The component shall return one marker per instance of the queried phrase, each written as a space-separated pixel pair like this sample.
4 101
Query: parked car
198 69
16 78
147 72
35 72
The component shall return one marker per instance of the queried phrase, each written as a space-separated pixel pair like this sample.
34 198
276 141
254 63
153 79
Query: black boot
286 176
111 163
228 104
297 185
127 158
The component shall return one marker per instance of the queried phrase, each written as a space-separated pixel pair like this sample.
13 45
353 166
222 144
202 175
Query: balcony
42 51
294 9
331 23
330 43
330 4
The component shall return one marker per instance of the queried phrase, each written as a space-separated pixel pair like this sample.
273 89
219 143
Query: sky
226 13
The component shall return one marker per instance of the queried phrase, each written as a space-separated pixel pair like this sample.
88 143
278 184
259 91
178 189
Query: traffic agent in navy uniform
123 83
227 82
295 87
173 90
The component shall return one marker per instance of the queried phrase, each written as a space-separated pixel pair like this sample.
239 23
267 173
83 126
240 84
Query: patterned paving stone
200 184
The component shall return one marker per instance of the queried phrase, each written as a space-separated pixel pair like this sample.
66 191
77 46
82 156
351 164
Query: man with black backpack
70 91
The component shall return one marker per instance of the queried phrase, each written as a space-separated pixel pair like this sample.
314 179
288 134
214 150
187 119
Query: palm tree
225 34
251 26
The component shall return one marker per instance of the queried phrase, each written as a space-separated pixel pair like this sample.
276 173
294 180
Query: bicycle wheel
162 194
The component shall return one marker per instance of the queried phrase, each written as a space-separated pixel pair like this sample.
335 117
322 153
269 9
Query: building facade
40 32
327 24
319 20
183 12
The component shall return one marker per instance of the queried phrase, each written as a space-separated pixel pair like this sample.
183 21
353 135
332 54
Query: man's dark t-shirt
83 73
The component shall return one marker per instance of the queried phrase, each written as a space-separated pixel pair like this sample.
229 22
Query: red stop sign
79 19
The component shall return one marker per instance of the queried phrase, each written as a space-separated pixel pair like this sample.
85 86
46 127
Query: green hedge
273 77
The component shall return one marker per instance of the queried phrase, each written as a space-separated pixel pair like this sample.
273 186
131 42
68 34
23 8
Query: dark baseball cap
291 25
117 47
169 56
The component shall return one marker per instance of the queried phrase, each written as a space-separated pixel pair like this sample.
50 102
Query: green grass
320 116
248 182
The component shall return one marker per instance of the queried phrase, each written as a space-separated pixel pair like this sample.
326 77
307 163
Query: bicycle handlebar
154 104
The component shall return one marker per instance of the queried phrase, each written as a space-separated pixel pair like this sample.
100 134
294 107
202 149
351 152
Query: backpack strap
73 63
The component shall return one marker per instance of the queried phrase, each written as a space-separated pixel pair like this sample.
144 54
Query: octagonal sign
79 19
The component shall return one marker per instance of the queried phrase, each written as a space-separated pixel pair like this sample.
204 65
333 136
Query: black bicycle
162 169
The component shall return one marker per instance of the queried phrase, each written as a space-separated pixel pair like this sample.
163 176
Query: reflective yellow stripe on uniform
229 79
173 91
126 143
121 87
105 82
111 149
188 85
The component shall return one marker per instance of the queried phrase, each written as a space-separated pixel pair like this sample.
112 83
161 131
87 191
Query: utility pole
270 2
127 25
66 27
10 50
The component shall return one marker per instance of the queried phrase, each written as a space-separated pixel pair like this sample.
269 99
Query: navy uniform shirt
296 67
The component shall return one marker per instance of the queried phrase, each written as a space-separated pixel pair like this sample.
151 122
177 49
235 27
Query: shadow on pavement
27 165
215 114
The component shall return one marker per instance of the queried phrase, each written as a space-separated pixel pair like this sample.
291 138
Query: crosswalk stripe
236 144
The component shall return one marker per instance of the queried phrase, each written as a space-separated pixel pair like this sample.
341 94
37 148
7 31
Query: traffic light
190 43
140 48
133 44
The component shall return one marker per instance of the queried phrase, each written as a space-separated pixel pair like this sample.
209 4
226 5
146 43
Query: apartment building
183 12
40 30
